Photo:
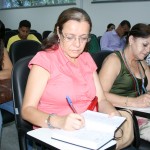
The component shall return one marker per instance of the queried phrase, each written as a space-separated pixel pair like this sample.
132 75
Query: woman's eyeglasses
71 38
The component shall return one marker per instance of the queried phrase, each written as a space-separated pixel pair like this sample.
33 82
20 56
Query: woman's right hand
71 121
142 101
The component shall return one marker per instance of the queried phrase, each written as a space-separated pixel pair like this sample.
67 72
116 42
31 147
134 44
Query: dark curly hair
2 35
139 30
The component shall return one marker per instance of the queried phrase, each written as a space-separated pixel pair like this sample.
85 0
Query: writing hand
72 121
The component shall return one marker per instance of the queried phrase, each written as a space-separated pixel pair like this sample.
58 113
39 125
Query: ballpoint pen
71 104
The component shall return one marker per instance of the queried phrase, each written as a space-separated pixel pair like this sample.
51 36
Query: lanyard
137 85
143 87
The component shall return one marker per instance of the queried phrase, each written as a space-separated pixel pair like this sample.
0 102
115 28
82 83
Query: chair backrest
19 79
32 30
8 35
93 45
99 58
22 48
45 34
7 29
98 39
38 35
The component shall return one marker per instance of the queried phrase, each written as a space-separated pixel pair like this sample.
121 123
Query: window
34 3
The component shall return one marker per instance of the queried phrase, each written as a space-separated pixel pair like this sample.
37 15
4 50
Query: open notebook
99 130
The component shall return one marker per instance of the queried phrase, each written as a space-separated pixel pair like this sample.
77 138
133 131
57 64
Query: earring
58 40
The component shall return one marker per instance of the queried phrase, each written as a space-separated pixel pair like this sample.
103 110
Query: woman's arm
5 73
37 81
104 105
108 74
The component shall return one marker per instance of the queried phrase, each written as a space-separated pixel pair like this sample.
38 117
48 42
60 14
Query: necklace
135 79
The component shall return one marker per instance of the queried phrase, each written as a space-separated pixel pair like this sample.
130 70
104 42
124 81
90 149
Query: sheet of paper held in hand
99 130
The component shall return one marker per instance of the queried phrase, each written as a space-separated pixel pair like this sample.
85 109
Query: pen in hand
71 104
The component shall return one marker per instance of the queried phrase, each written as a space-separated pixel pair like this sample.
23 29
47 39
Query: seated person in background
5 71
115 39
128 75
23 34
63 69
110 27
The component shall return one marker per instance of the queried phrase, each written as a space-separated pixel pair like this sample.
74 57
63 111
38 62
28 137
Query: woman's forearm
34 116
106 107
5 74
117 100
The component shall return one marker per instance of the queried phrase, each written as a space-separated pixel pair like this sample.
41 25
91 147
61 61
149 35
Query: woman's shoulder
111 64
87 60
46 53
86 56
6 55
112 58
7 64
112 61
43 59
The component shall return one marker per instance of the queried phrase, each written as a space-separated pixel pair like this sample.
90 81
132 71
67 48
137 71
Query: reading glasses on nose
72 38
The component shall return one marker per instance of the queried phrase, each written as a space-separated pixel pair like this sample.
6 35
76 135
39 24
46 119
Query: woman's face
73 38
141 47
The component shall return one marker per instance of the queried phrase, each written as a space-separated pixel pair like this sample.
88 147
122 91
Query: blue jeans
6 106
10 108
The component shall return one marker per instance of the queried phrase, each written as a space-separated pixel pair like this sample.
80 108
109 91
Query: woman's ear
131 39
58 32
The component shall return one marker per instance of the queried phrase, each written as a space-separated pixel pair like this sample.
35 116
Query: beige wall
44 18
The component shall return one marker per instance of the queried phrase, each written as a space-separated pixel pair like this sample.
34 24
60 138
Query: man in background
23 34
115 39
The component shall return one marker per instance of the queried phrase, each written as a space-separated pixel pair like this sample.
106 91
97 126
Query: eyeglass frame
74 38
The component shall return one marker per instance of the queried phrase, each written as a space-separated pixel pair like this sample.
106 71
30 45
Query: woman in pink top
63 69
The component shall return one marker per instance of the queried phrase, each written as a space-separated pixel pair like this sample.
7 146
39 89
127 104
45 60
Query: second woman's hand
142 101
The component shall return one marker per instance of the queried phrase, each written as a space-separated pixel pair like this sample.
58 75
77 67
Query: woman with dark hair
128 75
5 70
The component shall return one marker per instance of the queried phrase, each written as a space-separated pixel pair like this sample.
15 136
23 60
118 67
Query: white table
43 136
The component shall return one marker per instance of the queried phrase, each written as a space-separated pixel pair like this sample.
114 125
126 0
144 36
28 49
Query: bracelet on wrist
48 121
